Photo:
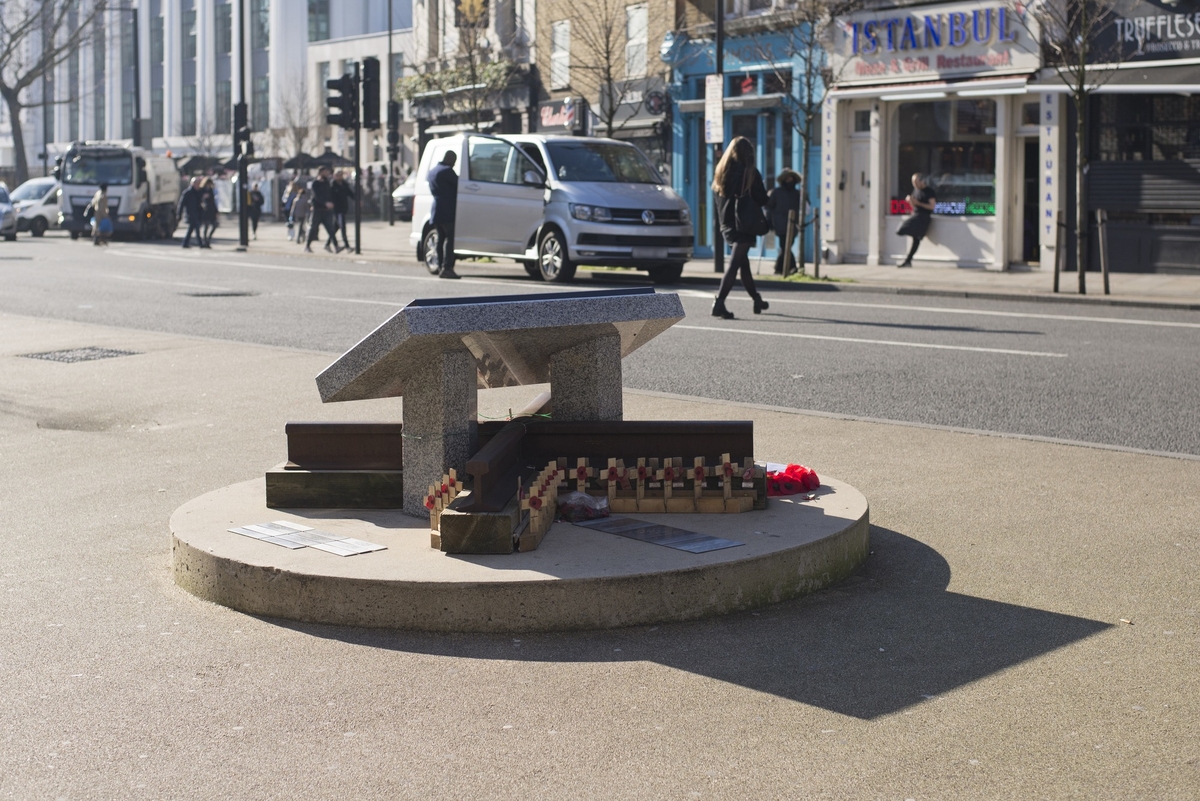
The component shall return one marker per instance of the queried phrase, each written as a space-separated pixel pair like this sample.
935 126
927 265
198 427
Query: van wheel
666 273
429 246
37 227
554 263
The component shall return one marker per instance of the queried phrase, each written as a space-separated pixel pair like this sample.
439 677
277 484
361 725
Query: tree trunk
1081 215
805 138
12 100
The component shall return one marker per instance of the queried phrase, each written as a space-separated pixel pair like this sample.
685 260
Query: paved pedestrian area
1026 626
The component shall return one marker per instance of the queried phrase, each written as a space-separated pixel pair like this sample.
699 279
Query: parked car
8 216
554 202
402 199
36 202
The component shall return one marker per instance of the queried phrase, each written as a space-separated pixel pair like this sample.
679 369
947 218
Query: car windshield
32 190
604 162
96 169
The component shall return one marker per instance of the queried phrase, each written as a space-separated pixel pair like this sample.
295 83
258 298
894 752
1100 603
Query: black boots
760 305
719 310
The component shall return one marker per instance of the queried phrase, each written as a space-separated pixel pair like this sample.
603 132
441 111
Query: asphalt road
1123 377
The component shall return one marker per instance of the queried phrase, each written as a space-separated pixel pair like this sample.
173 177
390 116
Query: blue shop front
762 75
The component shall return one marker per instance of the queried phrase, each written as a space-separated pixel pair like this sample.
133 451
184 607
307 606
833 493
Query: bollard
1102 239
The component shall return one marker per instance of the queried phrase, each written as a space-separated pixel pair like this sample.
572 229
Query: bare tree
300 122
205 142
803 35
469 80
598 65
35 37
1071 35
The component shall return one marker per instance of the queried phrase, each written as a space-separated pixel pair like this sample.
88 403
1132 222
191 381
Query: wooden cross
726 469
642 473
613 476
582 474
669 474
698 474
750 472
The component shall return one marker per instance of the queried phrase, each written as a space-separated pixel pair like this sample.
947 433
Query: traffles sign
931 42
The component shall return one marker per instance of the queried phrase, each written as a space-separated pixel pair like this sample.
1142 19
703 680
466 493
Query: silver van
554 202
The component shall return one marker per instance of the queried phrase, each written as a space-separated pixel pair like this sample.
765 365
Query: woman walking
736 179
254 206
208 212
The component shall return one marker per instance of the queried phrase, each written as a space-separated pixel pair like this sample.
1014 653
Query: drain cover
220 294
79 355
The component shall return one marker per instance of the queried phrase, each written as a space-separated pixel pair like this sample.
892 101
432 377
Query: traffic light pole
243 133
391 204
358 172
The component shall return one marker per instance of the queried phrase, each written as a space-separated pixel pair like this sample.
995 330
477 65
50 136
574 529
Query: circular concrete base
577 579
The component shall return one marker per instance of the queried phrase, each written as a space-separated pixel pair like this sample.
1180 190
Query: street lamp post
137 76
241 136
719 56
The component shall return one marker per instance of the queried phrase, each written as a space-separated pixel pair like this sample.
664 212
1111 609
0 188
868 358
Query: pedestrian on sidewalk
322 211
917 225
191 201
98 209
254 206
443 185
737 179
208 212
300 209
781 200
342 193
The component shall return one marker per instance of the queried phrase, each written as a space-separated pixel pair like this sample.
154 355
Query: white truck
143 189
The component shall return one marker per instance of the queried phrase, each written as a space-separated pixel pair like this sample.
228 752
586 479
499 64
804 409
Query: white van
553 202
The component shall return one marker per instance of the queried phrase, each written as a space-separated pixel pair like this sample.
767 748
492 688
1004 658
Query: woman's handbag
748 215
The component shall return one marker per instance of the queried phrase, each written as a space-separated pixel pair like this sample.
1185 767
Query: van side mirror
533 178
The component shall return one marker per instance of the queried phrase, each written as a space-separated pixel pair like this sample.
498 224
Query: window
127 55
1145 127
126 115
604 162
1030 114
188 121
260 24
224 107
73 83
156 111
560 54
156 40
262 104
99 106
636 24
862 121
494 161
953 142
323 78
188 21
224 31
318 20
48 116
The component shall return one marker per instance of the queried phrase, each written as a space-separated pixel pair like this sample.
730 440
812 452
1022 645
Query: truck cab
143 189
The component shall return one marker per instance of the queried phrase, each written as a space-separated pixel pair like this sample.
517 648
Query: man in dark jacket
782 200
189 202
443 185
342 193
322 211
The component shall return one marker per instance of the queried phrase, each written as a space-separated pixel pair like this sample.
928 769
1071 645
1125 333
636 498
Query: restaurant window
1145 127
862 121
953 142
1030 114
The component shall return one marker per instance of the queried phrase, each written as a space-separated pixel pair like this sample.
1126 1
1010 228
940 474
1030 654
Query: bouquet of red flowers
792 480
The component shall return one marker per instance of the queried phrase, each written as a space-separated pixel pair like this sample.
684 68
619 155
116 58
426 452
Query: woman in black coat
737 177
781 200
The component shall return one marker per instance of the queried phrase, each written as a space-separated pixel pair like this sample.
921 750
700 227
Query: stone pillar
441 419
585 381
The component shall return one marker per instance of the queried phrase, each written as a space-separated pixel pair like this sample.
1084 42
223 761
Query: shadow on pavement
889 637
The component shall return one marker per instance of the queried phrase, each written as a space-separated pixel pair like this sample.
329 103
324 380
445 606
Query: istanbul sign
932 42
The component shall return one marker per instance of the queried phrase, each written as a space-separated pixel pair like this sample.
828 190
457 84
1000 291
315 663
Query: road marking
523 286
170 283
982 312
890 342
394 303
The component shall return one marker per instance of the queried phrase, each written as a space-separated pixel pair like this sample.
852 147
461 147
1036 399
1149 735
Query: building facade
189 62
959 92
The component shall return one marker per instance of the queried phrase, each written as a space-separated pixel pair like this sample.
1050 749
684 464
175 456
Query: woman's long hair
741 152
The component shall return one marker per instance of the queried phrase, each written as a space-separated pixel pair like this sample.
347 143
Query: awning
1012 85
463 127
773 100
1182 79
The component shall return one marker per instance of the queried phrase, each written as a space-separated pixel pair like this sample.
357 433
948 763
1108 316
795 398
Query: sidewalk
384 243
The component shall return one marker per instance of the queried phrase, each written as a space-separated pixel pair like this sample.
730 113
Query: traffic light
370 93
393 127
345 103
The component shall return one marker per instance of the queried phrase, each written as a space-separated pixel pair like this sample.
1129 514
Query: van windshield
32 190
602 162
114 170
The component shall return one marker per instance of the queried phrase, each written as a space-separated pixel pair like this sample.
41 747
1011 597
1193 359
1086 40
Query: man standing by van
443 185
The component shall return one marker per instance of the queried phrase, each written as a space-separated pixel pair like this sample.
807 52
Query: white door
858 194
497 211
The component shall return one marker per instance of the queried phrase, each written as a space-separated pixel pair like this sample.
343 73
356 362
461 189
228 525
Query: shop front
760 76
945 91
